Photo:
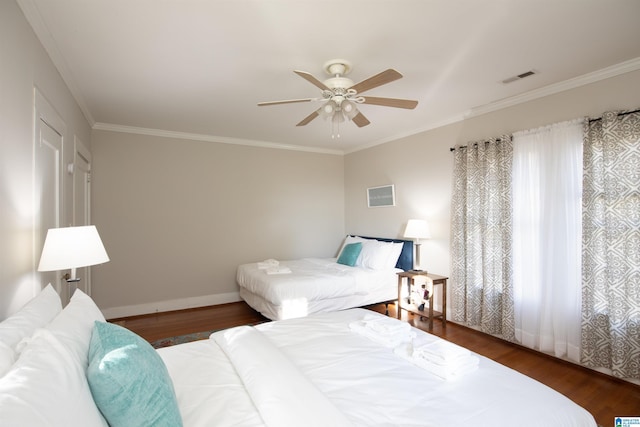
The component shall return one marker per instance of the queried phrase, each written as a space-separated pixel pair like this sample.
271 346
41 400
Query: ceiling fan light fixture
349 110
341 96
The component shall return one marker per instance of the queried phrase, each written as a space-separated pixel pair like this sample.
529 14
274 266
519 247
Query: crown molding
429 126
585 79
210 138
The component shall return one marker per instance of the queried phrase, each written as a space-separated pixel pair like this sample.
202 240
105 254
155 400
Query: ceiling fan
341 96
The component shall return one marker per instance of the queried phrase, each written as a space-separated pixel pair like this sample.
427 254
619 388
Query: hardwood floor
157 326
605 397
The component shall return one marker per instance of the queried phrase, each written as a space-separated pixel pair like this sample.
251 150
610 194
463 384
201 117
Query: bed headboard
405 261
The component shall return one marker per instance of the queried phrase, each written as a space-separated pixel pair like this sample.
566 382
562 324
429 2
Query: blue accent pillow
129 381
349 254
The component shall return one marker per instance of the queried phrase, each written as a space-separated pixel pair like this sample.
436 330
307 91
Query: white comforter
318 371
311 279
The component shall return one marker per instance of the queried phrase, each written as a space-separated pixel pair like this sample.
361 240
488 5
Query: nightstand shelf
412 308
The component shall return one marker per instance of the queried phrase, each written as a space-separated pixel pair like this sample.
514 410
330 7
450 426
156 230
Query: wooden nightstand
406 305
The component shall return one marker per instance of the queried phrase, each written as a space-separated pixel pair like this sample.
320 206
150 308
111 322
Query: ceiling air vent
519 76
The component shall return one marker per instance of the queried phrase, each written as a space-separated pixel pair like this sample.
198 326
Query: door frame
46 115
81 153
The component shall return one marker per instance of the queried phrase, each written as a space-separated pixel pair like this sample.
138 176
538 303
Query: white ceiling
197 68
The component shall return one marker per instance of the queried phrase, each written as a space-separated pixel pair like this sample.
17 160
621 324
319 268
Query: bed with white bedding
67 367
319 371
296 288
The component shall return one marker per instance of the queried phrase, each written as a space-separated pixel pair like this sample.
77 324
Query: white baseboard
170 305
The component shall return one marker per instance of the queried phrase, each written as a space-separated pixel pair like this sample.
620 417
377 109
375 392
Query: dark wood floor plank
604 396
157 326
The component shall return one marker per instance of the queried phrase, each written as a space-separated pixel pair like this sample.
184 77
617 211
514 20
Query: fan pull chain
335 123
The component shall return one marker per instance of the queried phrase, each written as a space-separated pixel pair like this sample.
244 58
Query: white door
48 152
81 170
47 184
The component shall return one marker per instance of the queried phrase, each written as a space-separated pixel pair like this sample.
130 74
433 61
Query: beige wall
25 65
421 166
178 216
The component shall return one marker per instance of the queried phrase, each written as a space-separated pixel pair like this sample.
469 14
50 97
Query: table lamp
417 229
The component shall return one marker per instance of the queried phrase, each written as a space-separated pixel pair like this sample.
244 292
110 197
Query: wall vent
519 76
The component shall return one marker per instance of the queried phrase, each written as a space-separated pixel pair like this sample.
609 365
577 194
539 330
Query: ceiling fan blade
360 120
391 102
307 119
287 101
311 79
379 79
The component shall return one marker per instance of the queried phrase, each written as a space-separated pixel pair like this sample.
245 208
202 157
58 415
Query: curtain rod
619 115
590 120
475 145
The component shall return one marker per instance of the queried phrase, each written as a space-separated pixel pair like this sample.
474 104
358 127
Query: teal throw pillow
349 254
129 381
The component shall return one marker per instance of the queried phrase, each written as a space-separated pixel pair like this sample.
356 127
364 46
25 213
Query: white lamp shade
72 247
417 229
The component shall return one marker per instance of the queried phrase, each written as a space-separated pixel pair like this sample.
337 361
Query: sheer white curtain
547 225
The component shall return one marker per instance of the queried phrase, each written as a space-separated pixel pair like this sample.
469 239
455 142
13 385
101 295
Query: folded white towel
449 371
386 325
268 263
383 330
442 352
278 270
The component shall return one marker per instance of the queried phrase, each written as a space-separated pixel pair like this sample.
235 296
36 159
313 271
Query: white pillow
394 254
33 315
374 254
74 325
349 240
378 254
47 387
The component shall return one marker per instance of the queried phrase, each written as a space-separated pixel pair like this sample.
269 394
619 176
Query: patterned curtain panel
611 245
481 237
